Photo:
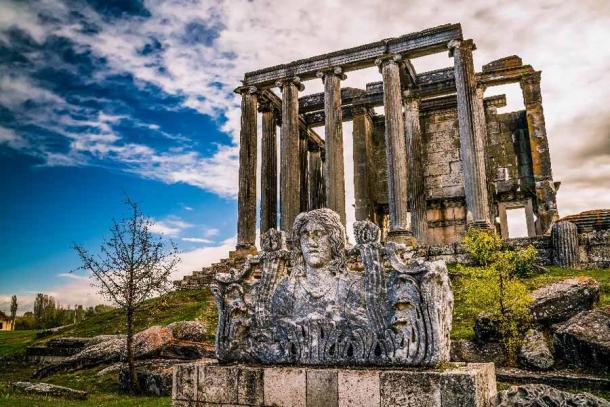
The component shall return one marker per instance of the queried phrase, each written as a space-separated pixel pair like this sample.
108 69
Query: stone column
415 167
564 239
396 150
290 178
315 181
472 134
303 168
268 170
361 134
246 199
333 126
539 147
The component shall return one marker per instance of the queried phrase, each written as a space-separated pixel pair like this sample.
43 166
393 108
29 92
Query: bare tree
133 265
14 306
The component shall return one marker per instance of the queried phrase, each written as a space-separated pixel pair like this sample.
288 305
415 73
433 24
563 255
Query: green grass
175 306
463 318
14 342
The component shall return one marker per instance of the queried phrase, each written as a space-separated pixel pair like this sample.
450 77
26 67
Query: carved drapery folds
324 305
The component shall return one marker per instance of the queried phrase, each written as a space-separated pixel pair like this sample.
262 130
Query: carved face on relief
315 245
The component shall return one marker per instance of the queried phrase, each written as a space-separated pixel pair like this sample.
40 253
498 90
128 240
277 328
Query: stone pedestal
456 385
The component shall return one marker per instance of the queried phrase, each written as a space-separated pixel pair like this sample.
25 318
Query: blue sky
103 99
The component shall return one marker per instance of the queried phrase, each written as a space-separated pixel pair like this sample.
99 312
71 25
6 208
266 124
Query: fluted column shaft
471 120
361 135
415 157
564 240
268 171
333 126
315 180
539 148
304 173
396 151
290 181
246 199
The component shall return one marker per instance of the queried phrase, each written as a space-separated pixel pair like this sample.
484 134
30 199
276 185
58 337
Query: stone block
358 388
410 389
250 388
322 388
285 387
468 386
184 385
217 384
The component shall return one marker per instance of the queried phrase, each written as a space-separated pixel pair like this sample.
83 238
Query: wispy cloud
171 226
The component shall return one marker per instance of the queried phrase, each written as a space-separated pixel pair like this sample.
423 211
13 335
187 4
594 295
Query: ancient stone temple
439 160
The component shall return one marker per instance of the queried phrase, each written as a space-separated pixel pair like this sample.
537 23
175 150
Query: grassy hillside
175 306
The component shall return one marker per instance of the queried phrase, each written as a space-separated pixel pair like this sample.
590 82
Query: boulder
584 340
541 395
48 390
151 341
99 351
153 378
562 300
186 351
464 350
194 331
535 353
486 328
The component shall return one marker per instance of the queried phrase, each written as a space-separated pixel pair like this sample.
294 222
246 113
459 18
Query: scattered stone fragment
150 341
49 390
535 352
584 340
561 300
541 395
464 350
195 331
486 328
153 377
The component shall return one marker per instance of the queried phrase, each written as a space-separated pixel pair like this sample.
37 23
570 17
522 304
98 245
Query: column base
402 236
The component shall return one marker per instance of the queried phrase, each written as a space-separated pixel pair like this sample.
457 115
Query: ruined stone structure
439 160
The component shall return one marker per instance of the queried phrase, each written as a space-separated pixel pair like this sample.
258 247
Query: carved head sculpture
319 240
273 240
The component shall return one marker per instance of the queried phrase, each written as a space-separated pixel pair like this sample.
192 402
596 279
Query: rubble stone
195 331
48 390
541 395
561 300
535 352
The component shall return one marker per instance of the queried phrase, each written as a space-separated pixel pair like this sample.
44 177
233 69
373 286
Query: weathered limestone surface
396 150
290 181
415 164
321 305
540 395
559 301
335 174
535 352
48 390
268 169
362 133
246 200
564 237
472 134
457 385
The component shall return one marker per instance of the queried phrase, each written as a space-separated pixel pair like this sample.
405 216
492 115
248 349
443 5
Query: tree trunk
132 367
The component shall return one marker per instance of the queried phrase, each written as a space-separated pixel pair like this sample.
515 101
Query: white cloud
565 40
196 259
171 226
196 240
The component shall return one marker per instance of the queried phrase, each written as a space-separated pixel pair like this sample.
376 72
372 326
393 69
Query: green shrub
494 285
482 245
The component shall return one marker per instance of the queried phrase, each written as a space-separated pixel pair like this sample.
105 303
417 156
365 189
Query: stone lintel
512 61
411 45
458 384
503 76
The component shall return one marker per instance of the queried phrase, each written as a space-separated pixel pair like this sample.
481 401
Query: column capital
387 59
336 71
249 90
361 109
462 45
480 90
295 80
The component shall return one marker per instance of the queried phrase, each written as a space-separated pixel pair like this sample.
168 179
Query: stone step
559 378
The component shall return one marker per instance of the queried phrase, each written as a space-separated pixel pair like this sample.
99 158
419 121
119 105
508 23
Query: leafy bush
494 285
482 246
